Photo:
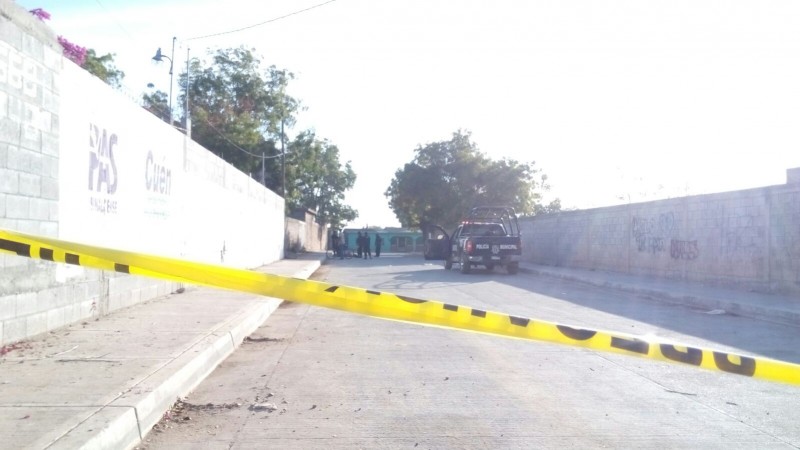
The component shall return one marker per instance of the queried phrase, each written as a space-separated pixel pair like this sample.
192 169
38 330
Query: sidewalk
105 383
775 308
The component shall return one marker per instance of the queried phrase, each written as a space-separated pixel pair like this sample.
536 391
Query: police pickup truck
489 236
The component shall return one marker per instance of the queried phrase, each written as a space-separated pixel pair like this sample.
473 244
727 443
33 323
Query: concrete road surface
312 378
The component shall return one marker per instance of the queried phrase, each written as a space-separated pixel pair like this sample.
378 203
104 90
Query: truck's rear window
483 229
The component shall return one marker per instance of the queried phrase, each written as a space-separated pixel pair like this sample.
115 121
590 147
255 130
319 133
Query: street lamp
160 57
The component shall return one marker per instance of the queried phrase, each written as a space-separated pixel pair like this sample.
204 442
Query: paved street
316 378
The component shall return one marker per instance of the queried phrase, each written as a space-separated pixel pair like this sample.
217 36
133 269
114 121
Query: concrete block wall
304 233
748 239
31 300
49 110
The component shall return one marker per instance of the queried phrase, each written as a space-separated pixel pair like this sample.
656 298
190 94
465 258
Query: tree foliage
103 67
157 103
317 180
237 109
447 178
241 112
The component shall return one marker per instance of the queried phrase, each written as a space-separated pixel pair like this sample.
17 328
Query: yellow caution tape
391 306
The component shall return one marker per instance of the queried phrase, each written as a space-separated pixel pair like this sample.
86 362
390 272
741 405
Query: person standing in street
360 244
367 251
378 244
335 242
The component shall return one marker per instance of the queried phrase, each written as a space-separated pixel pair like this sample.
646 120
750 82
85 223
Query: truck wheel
448 264
513 268
465 268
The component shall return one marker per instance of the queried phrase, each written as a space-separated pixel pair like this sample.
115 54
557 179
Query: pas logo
103 173
495 249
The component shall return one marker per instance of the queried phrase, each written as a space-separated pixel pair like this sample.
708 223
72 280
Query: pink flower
74 52
40 14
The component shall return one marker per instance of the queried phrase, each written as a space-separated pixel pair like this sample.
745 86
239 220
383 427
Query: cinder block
26 304
15 108
29 226
49 188
17 207
3 65
12 261
9 181
36 324
31 137
9 224
49 229
49 167
10 130
52 298
29 87
53 61
15 330
83 310
52 214
71 314
30 184
119 301
8 307
41 119
95 288
49 142
14 74
3 98
50 102
19 159
56 318
79 292
40 209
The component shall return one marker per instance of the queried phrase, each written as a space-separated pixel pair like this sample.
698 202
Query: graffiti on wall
652 233
743 237
683 249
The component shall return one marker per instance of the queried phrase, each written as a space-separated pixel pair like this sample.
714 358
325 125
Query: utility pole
188 124
263 163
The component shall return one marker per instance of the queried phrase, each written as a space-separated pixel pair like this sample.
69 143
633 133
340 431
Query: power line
262 23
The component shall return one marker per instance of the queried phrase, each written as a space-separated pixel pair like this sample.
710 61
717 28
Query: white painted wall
129 181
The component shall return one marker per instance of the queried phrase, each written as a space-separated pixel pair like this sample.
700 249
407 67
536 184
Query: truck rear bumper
491 259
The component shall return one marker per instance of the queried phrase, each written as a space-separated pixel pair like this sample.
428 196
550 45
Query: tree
447 178
157 103
103 67
317 180
239 111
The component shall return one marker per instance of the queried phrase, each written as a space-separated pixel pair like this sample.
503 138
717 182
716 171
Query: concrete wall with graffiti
81 162
748 239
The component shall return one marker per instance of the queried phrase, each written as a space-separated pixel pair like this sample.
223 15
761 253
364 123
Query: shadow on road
412 272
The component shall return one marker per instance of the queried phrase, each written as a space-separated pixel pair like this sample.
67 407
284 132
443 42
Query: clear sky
615 101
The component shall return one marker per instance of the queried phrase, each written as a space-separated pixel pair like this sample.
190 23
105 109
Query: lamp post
160 57
188 123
